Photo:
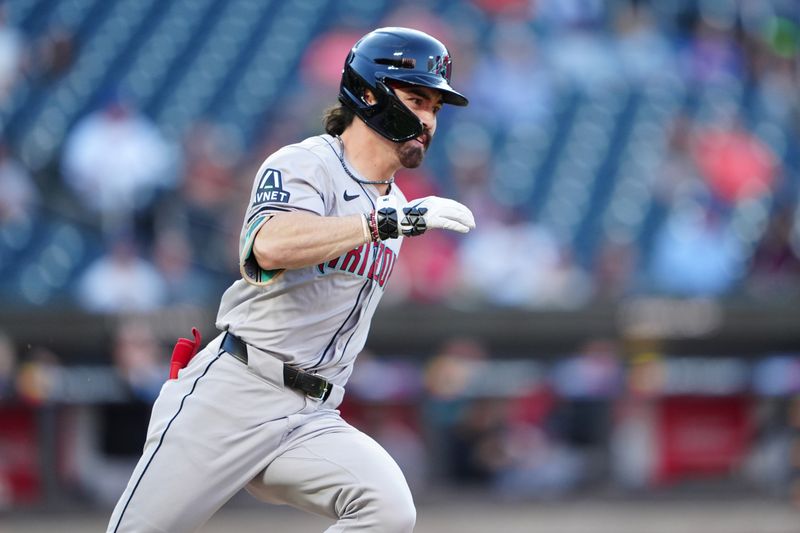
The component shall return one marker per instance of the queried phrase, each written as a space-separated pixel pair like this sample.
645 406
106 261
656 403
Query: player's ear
369 97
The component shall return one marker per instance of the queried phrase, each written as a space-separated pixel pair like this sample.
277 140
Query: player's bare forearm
297 240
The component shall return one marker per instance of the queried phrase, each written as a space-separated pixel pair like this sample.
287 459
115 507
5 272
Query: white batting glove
417 216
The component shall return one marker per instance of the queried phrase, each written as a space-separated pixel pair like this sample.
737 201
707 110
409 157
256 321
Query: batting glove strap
386 218
384 223
420 215
413 222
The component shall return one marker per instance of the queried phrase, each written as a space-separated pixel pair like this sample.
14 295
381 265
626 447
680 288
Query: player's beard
411 153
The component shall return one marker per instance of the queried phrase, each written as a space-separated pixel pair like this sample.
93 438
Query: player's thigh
207 438
335 473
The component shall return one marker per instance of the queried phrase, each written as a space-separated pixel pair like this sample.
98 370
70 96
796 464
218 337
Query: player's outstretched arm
417 216
298 239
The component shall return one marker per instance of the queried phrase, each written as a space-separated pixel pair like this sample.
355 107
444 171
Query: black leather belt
311 384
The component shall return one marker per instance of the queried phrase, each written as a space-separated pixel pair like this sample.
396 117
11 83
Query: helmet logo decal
440 65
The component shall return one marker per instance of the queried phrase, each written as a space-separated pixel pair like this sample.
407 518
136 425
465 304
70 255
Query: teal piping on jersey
248 266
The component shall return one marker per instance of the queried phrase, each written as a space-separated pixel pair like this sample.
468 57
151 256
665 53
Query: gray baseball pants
222 426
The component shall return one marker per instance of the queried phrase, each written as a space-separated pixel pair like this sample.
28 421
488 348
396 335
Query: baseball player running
256 408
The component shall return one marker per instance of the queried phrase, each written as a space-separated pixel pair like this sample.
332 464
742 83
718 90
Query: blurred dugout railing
684 397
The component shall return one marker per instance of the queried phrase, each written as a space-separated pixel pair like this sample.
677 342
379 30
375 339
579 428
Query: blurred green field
471 516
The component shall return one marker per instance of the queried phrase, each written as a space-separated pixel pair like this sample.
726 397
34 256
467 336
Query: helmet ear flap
353 93
388 115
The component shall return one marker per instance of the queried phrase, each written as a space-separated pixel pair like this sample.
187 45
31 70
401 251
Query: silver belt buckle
323 391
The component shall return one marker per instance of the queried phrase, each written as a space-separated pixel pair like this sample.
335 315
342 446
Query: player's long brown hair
337 119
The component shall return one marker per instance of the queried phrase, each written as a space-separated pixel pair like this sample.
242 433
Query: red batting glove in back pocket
183 352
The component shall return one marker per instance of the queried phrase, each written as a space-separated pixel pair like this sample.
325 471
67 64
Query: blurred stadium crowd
611 147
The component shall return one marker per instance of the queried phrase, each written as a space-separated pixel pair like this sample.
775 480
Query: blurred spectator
510 84
765 466
388 413
492 422
520 265
55 53
321 65
645 53
477 448
447 376
12 54
696 252
712 53
774 270
184 282
208 207
678 174
109 438
21 457
8 368
533 72
468 148
558 430
585 384
121 281
614 271
455 365
773 48
593 373
564 14
537 466
18 192
138 360
516 459
633 443
117 162
428 269
505 8
39 377
735 163
400 380
421 16
576 44
387 424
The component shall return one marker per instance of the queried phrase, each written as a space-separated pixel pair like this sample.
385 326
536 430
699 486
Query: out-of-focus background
620 334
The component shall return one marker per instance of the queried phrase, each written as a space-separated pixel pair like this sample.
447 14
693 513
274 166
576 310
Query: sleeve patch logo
270 188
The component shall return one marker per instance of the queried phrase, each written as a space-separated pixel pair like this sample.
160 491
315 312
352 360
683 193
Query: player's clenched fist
390 220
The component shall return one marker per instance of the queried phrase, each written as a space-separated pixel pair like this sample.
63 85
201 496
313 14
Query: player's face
425 103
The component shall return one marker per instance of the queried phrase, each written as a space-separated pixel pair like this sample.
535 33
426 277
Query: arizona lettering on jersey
372 261
335 299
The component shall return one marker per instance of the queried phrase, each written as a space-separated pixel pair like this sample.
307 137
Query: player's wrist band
365 228
373 226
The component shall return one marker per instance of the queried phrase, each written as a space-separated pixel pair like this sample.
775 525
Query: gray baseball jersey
221 425
315 318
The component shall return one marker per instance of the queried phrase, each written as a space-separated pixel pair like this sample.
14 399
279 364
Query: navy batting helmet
407 56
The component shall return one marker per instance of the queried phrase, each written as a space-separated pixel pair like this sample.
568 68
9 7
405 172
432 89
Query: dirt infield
470 516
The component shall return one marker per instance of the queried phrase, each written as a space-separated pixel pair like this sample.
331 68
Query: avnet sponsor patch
270 188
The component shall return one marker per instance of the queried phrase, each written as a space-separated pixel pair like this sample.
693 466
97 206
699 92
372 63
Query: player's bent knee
399 518
379 510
